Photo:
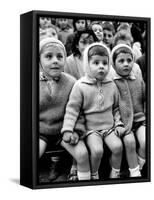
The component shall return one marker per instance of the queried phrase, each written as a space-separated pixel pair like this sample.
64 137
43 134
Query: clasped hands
71 138
120 131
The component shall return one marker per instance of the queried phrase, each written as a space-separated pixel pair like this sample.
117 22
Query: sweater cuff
63 130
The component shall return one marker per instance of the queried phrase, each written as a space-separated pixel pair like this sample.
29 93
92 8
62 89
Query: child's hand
120 131
67 137
74 138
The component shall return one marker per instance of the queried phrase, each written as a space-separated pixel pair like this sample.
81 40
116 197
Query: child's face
45 21
63 22
51 32
52 60
99 66
98 30
80 25
84 41
107 37
124 64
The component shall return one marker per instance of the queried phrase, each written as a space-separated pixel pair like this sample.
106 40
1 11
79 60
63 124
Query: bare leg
115 145
80 154
95 145
130 146
42 147
140 134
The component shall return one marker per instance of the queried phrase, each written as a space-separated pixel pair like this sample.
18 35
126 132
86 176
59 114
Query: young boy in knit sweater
132 99
55 88
98 98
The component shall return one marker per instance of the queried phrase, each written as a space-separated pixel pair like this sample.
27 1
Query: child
132 94
97 97
50 31
78 25
54 92
44 22
96 26
64 29
124 37
108 34
74 63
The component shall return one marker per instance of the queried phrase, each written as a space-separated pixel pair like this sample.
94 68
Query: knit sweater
132 97
74 67
53 99
98 102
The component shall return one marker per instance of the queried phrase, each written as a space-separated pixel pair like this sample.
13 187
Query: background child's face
124 64
107 37
45 21
99 66
63 22
49 32
84 41
52 60
98 30
80 24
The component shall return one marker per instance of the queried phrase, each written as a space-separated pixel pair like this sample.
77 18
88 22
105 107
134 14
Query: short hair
122 35
76 39
108 26
121 50
97 50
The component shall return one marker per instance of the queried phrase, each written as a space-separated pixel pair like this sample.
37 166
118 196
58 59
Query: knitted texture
53 99
132 96
99 115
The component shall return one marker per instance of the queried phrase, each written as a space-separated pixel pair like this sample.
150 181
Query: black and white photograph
90 80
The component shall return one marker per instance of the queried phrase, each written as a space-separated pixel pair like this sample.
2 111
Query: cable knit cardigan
99 104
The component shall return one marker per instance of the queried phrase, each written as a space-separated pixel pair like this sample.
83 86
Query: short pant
101 133
136 125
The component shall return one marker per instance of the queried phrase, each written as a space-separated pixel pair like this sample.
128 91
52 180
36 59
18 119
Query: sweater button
101 90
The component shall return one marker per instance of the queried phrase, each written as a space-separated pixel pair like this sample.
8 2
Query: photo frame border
29 97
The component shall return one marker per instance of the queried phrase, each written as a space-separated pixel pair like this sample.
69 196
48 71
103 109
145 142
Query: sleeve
116 110
72 109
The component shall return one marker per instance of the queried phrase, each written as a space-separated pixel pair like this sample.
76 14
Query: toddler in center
97 96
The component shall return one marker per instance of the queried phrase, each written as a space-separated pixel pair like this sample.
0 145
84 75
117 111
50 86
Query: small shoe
53 172
114 174
73 176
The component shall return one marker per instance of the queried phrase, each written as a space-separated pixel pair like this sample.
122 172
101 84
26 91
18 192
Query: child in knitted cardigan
98 98
54 93
132 94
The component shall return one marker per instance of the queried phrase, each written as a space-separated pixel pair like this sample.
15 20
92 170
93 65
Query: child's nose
54 59
125 63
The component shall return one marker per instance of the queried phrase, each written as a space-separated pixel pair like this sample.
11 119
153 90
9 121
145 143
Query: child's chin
55 75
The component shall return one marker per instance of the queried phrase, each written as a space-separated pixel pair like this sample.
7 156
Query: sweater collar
130 77
88 80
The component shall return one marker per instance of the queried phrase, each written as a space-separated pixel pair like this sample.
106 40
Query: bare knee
42 147
130 143
117 148
96 152
142 143
82 156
